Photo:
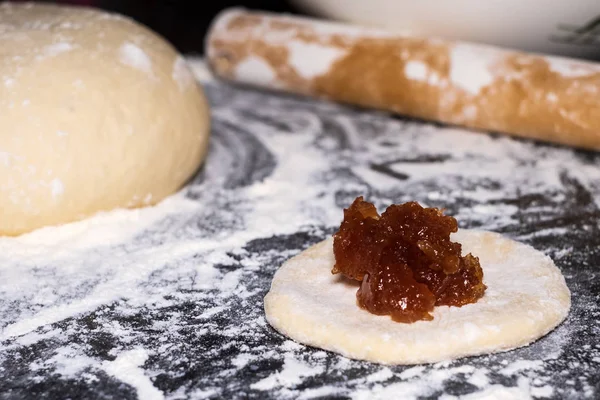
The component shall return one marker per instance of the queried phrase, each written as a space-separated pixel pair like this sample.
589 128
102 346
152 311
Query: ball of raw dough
96 112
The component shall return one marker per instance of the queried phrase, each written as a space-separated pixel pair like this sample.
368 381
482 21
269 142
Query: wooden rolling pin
475 86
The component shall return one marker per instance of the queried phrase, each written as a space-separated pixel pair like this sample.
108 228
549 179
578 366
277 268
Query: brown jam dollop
405 260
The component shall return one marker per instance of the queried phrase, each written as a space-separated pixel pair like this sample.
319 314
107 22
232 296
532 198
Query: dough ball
96 112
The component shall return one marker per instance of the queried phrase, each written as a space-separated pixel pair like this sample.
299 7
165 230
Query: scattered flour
292 373
57 48
256 70
126 368
416 70
521 365
130 54
182 74
311 60
567 68
68 362
469 67
57 188
182 282
380 376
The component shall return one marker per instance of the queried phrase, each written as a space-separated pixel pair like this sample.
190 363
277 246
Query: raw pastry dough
96 112
526 298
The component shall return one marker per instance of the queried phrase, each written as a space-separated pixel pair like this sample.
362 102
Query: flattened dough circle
526 298
96 112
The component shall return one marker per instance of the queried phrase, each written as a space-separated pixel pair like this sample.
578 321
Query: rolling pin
475 86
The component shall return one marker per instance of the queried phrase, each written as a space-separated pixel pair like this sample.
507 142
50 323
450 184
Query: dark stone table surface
166 302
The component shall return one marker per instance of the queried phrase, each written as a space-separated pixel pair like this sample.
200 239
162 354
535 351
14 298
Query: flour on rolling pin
475 86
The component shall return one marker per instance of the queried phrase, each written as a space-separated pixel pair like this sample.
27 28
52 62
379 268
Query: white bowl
570 28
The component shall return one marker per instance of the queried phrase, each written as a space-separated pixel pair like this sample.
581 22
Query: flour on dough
526 298
96 112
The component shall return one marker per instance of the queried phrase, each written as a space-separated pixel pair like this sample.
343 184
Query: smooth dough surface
526 298
96 112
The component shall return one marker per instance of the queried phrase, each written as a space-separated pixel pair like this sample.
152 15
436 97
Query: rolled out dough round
526 298
96 112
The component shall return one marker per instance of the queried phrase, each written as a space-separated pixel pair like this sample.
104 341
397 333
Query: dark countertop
167 302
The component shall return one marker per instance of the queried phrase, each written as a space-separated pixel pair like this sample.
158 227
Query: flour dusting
469 67
132 55
57 48
416 70
182 74
311 60
255 69
57 188
126 368
166 301
568 68
292 374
